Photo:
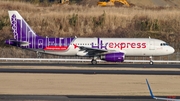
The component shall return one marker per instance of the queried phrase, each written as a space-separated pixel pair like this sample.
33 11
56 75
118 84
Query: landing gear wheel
151 62
93 62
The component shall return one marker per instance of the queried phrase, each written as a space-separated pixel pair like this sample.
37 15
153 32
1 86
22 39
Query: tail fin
21 30
150 91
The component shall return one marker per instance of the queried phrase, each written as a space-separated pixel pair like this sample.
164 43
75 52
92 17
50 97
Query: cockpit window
164 44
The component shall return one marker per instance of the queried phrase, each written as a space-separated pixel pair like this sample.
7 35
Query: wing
92 51
158 98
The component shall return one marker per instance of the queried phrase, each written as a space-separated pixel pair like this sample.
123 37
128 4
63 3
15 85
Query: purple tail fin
21 30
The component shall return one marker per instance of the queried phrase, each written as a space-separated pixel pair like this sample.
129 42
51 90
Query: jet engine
113 57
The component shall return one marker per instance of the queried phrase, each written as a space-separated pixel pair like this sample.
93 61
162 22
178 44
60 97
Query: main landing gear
151 61
94 61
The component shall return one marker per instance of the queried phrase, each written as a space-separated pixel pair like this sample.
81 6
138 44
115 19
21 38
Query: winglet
150 91
159 98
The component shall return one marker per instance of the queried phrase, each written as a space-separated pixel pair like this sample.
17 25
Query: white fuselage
129 46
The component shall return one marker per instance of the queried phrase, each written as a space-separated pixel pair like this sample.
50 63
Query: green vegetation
100 20
73 20
4 21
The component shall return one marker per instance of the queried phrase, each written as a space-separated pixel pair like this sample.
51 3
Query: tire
151 62
93 62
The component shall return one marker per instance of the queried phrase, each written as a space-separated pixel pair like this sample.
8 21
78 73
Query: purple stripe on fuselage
52 42
62 42
57 41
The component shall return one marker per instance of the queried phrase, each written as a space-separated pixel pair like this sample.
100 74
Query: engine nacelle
113 57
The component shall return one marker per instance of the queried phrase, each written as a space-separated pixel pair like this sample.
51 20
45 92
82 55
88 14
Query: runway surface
75 71
83 71
86 71
73 98
145 65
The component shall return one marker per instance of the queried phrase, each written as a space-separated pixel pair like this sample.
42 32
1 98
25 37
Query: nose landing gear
151 61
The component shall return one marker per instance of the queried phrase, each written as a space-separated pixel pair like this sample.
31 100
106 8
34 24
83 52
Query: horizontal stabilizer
15 42
24 43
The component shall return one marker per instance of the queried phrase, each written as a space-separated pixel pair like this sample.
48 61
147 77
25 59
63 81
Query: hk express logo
120 45
14 26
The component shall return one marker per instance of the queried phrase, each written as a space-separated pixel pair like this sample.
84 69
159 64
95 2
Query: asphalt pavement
84 71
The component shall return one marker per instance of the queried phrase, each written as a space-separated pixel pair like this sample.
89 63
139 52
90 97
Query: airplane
158 98
107 49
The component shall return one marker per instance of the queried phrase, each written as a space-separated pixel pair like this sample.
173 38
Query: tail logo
14 26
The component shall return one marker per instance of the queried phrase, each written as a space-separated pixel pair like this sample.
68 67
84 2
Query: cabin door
151 45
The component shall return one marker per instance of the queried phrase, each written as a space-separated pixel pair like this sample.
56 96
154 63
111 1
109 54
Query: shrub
99 21
73 20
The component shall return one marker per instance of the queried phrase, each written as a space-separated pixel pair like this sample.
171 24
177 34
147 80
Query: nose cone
171 50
